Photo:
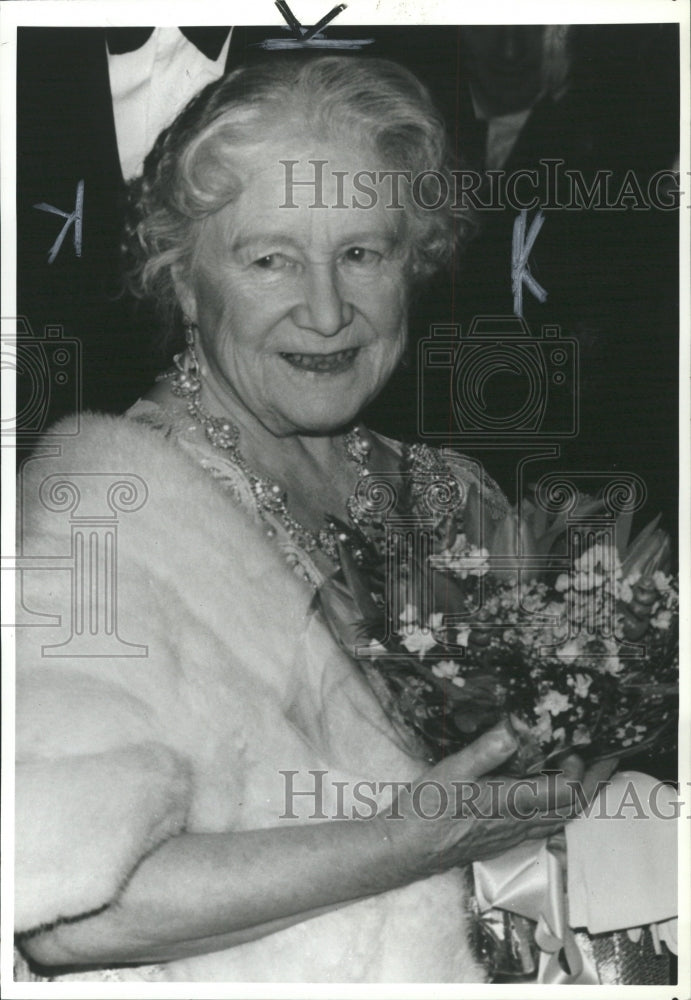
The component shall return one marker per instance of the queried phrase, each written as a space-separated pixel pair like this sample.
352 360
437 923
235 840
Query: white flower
661 581
480 558
562 582
435 620
569 650
580 735
542 730
448 669
595 568
418 641
587 579
663 619
559 734
598 555
447 557
463 635
532 602
463 559
581 684
553 702
611 665
409 615
445 668
630 734
491 606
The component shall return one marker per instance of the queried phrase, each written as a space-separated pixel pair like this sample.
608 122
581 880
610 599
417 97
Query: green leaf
647 543
544 543
343 616
477 519
357 583
622 532
511 545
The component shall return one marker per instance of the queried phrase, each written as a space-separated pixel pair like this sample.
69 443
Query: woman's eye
272 262
361 255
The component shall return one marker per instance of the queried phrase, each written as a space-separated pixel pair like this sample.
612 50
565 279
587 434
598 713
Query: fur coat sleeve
108 764
217 680
171 674
96 789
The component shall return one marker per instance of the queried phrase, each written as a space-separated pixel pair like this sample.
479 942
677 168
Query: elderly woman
187 804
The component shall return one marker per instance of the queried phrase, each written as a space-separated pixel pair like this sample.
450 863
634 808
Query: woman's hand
454 815
198 893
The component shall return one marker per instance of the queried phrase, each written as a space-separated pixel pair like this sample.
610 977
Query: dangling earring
187 381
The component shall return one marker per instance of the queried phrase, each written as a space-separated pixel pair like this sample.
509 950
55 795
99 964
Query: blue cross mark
307 34
521 248
71 218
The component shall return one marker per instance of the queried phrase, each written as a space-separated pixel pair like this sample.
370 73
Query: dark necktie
208 40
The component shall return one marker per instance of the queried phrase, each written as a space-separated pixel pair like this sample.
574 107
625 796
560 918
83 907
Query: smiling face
301 311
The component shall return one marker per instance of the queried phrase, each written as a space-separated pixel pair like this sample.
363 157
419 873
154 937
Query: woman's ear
184 292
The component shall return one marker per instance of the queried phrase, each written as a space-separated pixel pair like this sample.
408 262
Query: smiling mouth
329 364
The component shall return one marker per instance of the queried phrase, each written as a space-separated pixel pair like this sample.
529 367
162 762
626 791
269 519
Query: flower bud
645 591
479 638
477 520
633 628
640 610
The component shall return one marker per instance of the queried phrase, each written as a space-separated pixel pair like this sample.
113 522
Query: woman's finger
573 767
552 794
544 830
484 755
598 772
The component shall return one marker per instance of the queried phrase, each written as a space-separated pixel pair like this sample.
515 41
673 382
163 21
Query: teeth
321 362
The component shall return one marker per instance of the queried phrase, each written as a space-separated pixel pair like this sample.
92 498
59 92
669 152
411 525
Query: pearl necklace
270 498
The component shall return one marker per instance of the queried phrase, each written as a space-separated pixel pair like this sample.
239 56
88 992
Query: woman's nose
323 307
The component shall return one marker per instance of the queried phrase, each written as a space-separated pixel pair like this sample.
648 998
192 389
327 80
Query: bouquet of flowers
578 651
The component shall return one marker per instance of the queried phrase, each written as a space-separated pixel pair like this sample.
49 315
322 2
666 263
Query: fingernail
503 738
572 766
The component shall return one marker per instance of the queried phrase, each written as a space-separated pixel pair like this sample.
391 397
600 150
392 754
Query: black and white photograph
345 466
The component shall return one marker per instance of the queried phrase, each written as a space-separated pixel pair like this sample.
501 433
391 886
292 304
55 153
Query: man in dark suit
591 98
67 141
